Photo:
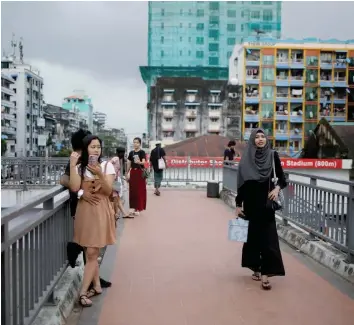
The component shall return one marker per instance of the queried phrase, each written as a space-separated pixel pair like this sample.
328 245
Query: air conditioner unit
233 95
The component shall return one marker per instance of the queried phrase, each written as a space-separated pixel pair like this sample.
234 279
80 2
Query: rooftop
308 40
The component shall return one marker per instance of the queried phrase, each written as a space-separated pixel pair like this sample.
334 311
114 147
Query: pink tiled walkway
176 266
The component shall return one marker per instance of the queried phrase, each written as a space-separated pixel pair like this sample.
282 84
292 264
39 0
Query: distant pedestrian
136 175
229 153
158 164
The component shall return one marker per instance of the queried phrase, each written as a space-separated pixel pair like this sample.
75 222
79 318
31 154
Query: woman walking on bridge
256 192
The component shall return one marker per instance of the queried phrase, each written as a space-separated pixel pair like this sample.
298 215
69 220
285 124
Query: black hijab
256 163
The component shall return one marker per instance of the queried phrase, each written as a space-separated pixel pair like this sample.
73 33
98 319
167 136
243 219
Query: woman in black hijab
261 253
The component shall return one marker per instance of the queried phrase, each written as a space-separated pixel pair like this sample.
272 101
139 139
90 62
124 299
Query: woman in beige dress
94 226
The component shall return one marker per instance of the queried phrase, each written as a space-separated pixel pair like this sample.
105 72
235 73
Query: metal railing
322 211
31 173
33 254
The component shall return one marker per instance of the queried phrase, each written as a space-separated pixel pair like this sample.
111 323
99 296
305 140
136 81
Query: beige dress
94 225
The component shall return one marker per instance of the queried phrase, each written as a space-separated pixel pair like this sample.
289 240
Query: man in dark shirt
155 155
73 249
229 153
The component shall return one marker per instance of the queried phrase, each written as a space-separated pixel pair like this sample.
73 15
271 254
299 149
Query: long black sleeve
240 196
279 171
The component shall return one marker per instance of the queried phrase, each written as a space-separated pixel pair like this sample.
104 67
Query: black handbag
274 205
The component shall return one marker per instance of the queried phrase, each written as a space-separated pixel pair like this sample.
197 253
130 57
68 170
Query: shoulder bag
277 204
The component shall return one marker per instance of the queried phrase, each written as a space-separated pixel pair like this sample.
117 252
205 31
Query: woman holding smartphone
135 176
94 226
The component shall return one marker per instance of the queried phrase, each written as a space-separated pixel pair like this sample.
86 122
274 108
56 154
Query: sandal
84 301
92 293
129 216
256 276
266 285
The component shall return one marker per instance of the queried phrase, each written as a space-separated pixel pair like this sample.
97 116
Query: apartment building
182 108
196 38
8 115
100 119
289 85
27 104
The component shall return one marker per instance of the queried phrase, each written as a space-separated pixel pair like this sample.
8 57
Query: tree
63 153
3 147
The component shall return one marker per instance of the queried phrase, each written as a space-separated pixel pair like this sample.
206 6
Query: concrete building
8 115
196 38
100 118
79 101
27 104
182 108
289 85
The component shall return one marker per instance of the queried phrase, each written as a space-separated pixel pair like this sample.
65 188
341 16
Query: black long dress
261 253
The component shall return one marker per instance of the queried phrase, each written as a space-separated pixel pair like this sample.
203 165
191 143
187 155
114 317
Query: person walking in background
158 164
229 153
256 191
136 176
73 249
117 192
94 226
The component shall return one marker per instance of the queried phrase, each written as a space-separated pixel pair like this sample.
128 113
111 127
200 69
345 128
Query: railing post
213 171
286 201
24 165
49 204
313 182
188 168
5 276
350 225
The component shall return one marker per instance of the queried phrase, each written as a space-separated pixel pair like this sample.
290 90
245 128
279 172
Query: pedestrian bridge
173 264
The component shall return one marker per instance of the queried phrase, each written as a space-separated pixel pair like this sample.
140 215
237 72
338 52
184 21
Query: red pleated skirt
137 190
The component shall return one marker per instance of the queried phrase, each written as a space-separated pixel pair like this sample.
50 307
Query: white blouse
109 171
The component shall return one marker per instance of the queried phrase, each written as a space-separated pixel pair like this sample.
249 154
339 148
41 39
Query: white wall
237 71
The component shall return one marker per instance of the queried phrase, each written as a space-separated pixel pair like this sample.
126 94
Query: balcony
281 132
252 58
282 94
340 80
296 95
339 113
9 117
252 76
326 79
8 130
296 117
251 95
252 113
167 126
297 60
296 133
7 103
282 78
7 91
190 126
167 112
214 127
214 113
191 113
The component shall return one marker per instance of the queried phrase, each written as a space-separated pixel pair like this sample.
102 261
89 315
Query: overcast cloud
98 47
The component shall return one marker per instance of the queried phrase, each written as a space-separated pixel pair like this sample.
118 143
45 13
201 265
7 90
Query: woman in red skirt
135 176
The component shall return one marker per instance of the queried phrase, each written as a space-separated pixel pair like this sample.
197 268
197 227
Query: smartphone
93 160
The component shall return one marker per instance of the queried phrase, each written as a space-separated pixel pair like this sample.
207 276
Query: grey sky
98 46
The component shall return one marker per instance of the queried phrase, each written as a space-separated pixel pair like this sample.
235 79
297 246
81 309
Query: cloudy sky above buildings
98 47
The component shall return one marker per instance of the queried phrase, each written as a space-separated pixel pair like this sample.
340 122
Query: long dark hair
85 155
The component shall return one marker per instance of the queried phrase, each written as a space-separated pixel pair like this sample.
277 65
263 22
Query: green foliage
63 153
3 147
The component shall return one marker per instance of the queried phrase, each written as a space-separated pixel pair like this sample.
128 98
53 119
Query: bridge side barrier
33 255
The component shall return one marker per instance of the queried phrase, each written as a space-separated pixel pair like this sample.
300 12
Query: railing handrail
13 212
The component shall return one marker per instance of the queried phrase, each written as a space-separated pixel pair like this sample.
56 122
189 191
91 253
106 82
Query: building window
189 25
267 28
181 12
214 33
242 14
27 104
168 134
256 2
231 27
214 5
162 39
162 12
189 39
255 14
200 54
229 53
214 20
162 25
200 26
213 46
267 15
213 60
231 13
231 41
180 25
180 53
190 12
200 13
180 38
28 91
162 54
268 2
189 52
190 134
242 27
200 40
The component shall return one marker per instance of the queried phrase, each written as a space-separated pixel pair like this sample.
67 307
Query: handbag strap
275 178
